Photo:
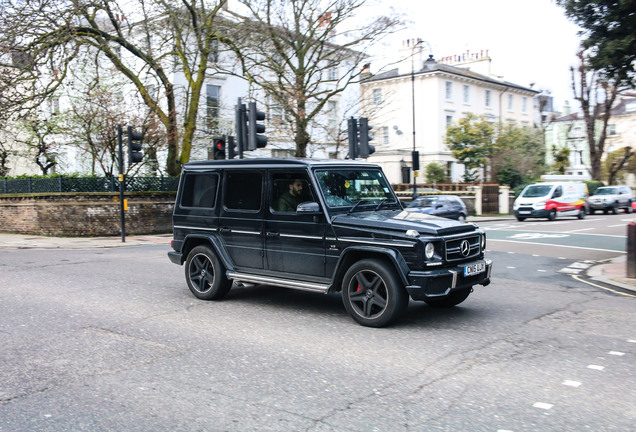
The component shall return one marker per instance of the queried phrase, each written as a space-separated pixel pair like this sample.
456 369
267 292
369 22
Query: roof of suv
273 163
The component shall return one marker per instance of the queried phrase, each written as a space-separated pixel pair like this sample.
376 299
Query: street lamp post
414 155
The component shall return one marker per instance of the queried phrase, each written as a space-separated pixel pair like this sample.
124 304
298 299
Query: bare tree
596 96
140 38
302 53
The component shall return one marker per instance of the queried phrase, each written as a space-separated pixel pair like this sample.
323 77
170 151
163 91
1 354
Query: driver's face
296 187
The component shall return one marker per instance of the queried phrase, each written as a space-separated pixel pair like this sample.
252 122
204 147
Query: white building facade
411 106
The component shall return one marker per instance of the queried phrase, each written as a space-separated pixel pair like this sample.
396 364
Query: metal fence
87 184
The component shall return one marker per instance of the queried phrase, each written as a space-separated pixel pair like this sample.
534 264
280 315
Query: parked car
348 233
447 206
611 198
551 200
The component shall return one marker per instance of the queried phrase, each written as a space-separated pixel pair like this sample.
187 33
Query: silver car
611 198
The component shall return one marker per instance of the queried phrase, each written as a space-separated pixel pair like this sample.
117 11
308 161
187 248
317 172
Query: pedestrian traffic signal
254 140
365 148
134 146
219 149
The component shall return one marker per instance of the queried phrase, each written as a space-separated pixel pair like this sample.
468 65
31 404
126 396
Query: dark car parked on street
348 233
448 206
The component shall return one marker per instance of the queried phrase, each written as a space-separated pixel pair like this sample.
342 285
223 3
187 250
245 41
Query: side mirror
308 208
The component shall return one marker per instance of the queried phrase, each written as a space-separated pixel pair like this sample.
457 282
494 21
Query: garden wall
86 214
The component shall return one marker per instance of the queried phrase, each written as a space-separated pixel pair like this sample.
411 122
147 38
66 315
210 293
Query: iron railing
87 184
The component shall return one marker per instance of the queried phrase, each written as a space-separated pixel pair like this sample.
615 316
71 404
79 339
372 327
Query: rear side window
199 190
243 190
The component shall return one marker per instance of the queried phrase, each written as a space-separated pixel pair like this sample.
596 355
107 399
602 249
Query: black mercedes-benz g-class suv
235 221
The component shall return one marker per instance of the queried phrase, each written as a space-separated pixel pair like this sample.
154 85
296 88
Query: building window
488 98
449 90
377 96
611 129
332 72
274 111
212 106
449 120
466 94
54 106
332 118
213 56
524 104
385 135
283 153
510 102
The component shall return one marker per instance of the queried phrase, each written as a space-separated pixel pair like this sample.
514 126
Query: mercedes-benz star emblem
464 248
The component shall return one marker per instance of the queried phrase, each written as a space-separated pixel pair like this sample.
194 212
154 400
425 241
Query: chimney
365 73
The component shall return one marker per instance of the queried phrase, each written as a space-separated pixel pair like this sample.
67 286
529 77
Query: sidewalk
613 272
20 241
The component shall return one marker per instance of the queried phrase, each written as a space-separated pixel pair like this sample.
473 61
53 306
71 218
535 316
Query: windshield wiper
354 207
381 203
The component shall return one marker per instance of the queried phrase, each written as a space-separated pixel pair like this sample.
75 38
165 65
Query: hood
397 222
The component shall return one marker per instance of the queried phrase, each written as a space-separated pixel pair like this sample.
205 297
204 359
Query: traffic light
352 129
219 149
254 140
365 148
134 146
231 147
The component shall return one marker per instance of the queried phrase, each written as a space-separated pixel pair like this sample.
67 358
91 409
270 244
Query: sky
529 41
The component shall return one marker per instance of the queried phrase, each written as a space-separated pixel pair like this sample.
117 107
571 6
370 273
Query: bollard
631 250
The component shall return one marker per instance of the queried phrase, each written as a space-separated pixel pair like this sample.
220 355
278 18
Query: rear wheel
373 294
581 214
453 299
206 275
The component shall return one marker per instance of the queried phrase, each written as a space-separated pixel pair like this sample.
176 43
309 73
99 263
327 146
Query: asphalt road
111 339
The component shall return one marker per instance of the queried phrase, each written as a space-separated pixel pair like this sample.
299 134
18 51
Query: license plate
524 212
474 269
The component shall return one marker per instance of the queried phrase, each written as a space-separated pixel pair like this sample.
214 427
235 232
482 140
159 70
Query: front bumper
529 212
440 282
601 205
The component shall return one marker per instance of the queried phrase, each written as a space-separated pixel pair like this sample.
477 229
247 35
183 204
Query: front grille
454 250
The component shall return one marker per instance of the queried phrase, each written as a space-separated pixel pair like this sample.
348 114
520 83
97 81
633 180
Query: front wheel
206 275
373 294
453 299
552 215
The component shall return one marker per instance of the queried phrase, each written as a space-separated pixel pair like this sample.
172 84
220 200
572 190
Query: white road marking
616 353
542 271
596 367
579 230
543 405
571 383
631 341
555 245
580 265
510 267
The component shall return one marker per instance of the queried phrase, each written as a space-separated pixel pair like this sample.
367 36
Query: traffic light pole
122 183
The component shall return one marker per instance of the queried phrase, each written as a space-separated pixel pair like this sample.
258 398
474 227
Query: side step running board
285 283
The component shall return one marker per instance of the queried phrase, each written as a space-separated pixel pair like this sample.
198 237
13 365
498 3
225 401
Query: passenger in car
290 199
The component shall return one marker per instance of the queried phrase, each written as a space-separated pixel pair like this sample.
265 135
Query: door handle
272 234
225 230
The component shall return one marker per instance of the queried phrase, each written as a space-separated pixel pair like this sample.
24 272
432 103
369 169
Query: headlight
539 205
483 242
429 250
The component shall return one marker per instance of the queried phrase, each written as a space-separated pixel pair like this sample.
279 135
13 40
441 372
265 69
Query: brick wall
86 214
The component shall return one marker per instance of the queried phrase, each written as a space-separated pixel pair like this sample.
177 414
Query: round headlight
483 242
429 250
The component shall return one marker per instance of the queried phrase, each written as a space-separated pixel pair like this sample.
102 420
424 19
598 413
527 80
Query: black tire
592 211
520 219
581 214
629 209
552 215
205 274
373 294
453 299
615 209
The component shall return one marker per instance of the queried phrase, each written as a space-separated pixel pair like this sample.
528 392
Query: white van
551 200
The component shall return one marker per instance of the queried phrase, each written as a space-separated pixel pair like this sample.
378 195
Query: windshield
348 187
605 191
536 191
424 202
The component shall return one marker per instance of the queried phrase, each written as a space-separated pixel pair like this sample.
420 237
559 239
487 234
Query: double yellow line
576 277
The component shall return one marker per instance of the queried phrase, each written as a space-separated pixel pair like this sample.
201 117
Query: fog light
429 250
